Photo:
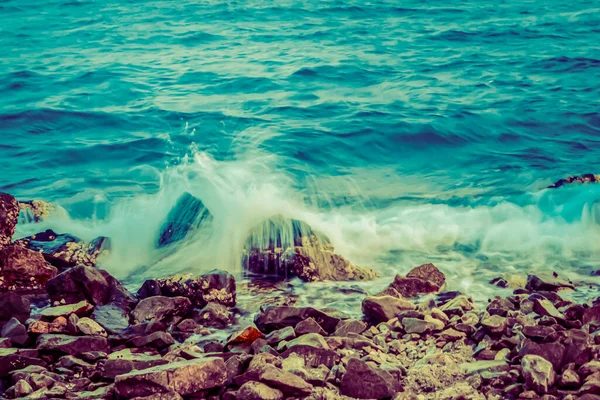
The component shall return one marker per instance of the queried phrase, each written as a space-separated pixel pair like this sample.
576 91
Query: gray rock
350 326
161 309
363 381
15 331
188 214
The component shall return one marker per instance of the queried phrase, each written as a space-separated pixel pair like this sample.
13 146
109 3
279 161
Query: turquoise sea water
407 131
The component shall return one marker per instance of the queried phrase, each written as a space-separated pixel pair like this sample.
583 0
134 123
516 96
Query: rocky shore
72 331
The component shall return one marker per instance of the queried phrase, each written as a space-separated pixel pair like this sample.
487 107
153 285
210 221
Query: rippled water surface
406 131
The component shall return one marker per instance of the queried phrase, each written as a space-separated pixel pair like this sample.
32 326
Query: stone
364 381
429 324
33 211
157 340
538 332
214 315
345 327
585 178
64 250
71 345
546 282
309 325
428 272
80 309
12 359
246 336
478 367
213 287
161 308
22 389
589 368
538 373
544 307
187 215
592 315
183 377
258 391
9 216
15 331
552 352
59 325
284 334
286 248
23 270
14 306
124 361
500 306
278 317
457 306
289 384
494 324
96 286
410 287
452 335
383 308
569 380
112 317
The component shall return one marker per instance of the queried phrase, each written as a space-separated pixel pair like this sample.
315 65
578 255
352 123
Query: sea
406 131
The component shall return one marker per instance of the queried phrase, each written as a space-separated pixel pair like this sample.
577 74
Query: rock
9 216
288 383
15 331
213 287
428 272
71 345
124 361
80 309
538 332
500 306
59 325
546 282
589 368
63 250
112 317
285 334
149 288
13 306
429 324
258 391
383 308
33 211
23 270
363 381
188 214
452 335
158 340
500 282
544 307
246 336
457 306
410 287
343 328
278 317
88 326
184 377
161 308
96 286
570 380
538 373
161 396
14 359
101 393
592 315
286 247
478 367
309 325
585 178
214 315
494 324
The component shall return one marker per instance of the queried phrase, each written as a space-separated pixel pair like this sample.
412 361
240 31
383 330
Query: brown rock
288 383
546 282
411 287
363 381
278 317
22 269
494 323
345 327
14 359
9 216
309 325
383 308
552 352
15 331
72 345
157 340
248 335
161 309
80 309
13 306
258 391
428 272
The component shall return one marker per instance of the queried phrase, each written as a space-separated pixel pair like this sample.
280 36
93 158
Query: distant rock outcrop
586 178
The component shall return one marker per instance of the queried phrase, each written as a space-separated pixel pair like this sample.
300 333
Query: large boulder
13 305
14 359
383 308
285 248
64 250
290 385
538 373
23 270
161 309
364 381
9 216
188 214
184 377
215 286
426 278
71 345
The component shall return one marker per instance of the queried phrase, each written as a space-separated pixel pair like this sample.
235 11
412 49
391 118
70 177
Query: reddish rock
247 336
428 272
411 287
9 216
23 270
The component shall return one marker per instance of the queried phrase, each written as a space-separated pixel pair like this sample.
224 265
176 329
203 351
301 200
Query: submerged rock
9 216
63 250
188 214
23 270
285 248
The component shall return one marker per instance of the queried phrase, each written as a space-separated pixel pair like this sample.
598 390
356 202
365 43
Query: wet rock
213 287
278 317
184 377
458 305
90 327
100 393
286 247
23 270
500 282
546 283
346 327
592 315
428 272
161 309
15 331
415 325
280 335
149 288
158 340
112 317
64 250
363 381
80 309
494 324
86 283
538 373
544 307
552 352
246 336
14 359
258 391
309 325
585 178
288 383
14 306
124 361
410 287
188 214
538 332
71 345
9 216
383 308
214 315
477 367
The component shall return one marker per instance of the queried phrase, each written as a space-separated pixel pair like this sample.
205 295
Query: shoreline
93 339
